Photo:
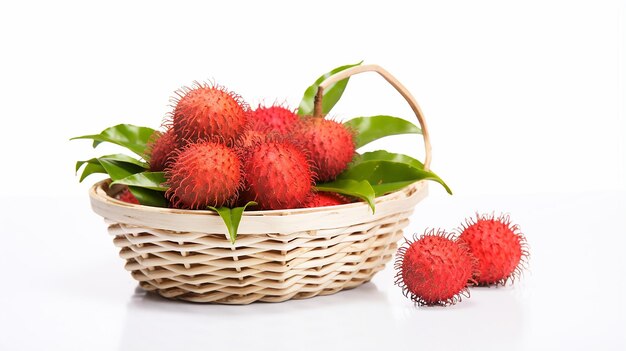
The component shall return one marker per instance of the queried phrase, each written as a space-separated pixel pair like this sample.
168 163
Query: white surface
69 291
525 102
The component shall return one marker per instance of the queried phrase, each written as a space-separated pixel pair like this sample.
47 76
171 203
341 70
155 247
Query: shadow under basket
278 255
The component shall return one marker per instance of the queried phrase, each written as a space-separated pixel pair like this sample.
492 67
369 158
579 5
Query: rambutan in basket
278 255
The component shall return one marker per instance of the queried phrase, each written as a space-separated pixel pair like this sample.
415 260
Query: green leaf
332 94
382 155
381 172
147 180
386 188
148 197
232 218
359 188
90 169
372 128
119 170
126 159
94 165
132 137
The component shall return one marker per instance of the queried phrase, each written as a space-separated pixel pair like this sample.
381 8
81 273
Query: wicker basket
278 255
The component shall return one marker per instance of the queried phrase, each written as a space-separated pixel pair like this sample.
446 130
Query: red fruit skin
498 246
322 199
161 149
278 176
434 269
330 146
273 119
251 138
204 174
127 196
206 112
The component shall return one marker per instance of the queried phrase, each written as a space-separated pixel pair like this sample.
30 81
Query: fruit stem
317 103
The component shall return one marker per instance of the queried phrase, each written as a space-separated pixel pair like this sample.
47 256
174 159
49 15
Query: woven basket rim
256 222
99 190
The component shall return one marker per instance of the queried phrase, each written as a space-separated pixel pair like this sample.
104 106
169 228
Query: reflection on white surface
83 299
364 317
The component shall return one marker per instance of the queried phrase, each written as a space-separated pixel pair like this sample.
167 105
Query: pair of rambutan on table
438 267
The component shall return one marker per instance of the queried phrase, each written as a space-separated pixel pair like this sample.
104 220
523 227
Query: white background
525 103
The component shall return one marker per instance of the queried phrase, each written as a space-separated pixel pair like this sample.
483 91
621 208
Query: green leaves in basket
123 169
148 180
332 94
149 197
132 137
148 187
117 166
361 189
232 218
372 128
388 172
90 168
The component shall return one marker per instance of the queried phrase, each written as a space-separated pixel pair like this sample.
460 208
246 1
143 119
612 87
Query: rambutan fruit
322 199
208 112
161 149
204 174
251 138
330 146
278 175
127 196
498 246
275 118
434 269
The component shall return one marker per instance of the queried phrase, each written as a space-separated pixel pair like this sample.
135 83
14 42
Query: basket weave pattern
203 267
308 253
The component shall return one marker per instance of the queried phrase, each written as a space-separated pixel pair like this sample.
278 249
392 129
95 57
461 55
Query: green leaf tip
232 218
117 166
368 129
388 172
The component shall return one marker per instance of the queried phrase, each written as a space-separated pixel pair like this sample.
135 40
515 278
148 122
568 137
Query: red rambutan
434 269
204 174
273 119
498 246
278 175
127 196
207 112
251 138
322 199
161 149
330 146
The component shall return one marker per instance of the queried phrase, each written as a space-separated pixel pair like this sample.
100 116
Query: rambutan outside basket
278 255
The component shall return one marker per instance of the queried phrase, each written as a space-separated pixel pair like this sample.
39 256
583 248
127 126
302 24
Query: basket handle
317 107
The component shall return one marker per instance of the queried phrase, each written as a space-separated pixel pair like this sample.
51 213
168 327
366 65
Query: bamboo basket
279 255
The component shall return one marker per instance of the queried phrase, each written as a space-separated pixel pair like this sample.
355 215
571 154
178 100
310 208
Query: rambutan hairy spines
330 145
160 149
205 111
278 175
434 269
128 197
499 247
323 199
277 118
204 174
250 138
